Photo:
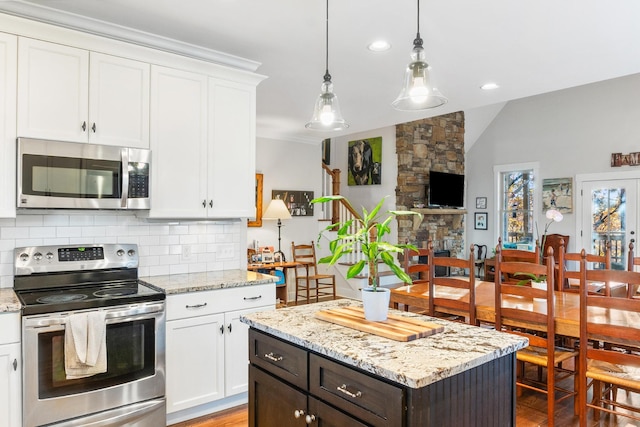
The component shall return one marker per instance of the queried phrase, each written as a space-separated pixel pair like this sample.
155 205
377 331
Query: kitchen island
305 369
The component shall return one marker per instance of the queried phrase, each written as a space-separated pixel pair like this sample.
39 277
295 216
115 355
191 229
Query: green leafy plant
530 277
369 237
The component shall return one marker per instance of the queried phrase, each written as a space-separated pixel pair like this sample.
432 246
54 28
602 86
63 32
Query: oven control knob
37 256
49 255
131 252
24 257
120 252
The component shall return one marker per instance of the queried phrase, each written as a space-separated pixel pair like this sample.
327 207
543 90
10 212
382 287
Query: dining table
566 306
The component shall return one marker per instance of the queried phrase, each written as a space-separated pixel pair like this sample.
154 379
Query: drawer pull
196 305
343 389
273 357
252 298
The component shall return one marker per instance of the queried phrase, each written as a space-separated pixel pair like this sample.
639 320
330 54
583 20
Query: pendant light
417 92
326 112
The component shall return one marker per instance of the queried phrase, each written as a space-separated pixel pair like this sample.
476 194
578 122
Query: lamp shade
417 92
326 112
276 210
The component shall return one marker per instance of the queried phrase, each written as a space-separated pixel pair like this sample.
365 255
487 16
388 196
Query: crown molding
125 34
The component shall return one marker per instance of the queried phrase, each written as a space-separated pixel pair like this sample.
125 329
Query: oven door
135 339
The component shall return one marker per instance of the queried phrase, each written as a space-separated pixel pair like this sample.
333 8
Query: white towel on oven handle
85 344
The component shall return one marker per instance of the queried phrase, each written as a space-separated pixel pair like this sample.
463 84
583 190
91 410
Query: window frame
498 171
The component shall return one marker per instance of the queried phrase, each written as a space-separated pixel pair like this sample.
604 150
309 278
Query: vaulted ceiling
527 47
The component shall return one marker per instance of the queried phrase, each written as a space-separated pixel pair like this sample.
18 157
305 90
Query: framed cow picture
365 161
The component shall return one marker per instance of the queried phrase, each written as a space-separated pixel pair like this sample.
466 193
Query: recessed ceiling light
379 46
489 86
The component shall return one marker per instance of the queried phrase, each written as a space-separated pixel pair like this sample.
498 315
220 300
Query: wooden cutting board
397 328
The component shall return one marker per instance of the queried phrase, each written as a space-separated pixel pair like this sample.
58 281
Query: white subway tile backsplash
160 245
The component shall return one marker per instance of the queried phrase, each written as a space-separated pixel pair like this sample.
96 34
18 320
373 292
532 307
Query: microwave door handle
125 177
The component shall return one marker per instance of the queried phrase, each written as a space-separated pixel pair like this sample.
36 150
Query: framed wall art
480 220
481 203
258 221
298 202
365 161
557 193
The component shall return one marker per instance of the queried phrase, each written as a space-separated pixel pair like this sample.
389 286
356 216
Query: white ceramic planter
376 304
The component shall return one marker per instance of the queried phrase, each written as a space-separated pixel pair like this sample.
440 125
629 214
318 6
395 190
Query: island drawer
370 399
278 357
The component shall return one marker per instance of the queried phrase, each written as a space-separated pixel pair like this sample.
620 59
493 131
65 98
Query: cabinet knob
84 126
229 327
93 128
222 329
298 413
15 364
309 419
211 203
204 203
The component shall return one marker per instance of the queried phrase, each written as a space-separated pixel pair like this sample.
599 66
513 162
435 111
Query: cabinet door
236 347
273 403
52 91
231 149
10 380
194 361
327 416
178 144
8 62
118 101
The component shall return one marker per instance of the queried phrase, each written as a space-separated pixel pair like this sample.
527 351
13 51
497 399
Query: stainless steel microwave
69 175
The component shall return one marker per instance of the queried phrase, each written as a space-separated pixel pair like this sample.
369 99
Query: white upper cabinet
178 144
70 94
8 59
231 153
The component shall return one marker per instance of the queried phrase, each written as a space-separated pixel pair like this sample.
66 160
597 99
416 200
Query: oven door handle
132 312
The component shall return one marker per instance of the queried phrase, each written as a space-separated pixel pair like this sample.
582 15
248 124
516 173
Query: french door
610 217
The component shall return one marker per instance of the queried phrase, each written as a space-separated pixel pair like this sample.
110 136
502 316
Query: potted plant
370 238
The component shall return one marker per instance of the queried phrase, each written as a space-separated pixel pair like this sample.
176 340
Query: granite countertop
206 281
414 364
9 301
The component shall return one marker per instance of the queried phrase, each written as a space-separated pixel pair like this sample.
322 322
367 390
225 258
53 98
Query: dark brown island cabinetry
293 386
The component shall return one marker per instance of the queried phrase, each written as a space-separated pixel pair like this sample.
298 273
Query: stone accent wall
435 143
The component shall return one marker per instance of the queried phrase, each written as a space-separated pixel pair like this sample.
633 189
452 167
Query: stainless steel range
110 370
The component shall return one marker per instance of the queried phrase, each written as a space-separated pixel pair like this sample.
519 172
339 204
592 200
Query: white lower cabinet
207 351
10 371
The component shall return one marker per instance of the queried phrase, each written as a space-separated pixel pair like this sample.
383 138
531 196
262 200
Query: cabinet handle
252 298
309 419
15 364
204 203
211 203
343 389
222 329
84 126
196 305
93 128
273 357
298 413
229 327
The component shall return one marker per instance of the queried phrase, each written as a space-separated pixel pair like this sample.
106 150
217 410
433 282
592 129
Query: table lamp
277 210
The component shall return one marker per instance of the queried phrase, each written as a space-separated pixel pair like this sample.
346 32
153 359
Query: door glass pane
608 223
517 209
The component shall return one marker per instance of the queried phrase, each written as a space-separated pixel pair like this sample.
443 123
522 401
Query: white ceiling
527 47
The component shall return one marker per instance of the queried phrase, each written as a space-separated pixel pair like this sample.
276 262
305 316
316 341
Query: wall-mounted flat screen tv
446 190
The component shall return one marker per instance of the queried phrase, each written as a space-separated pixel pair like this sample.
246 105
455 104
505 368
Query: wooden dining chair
518 255
453 295
515 306
606 369
309 282
416 264
570 273
481 256
633 264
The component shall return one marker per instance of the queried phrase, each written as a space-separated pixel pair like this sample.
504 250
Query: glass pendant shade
417 92
326 112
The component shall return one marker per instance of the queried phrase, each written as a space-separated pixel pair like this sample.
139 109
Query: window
516 210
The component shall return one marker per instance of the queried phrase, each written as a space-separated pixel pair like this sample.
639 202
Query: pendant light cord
327 76
418 40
